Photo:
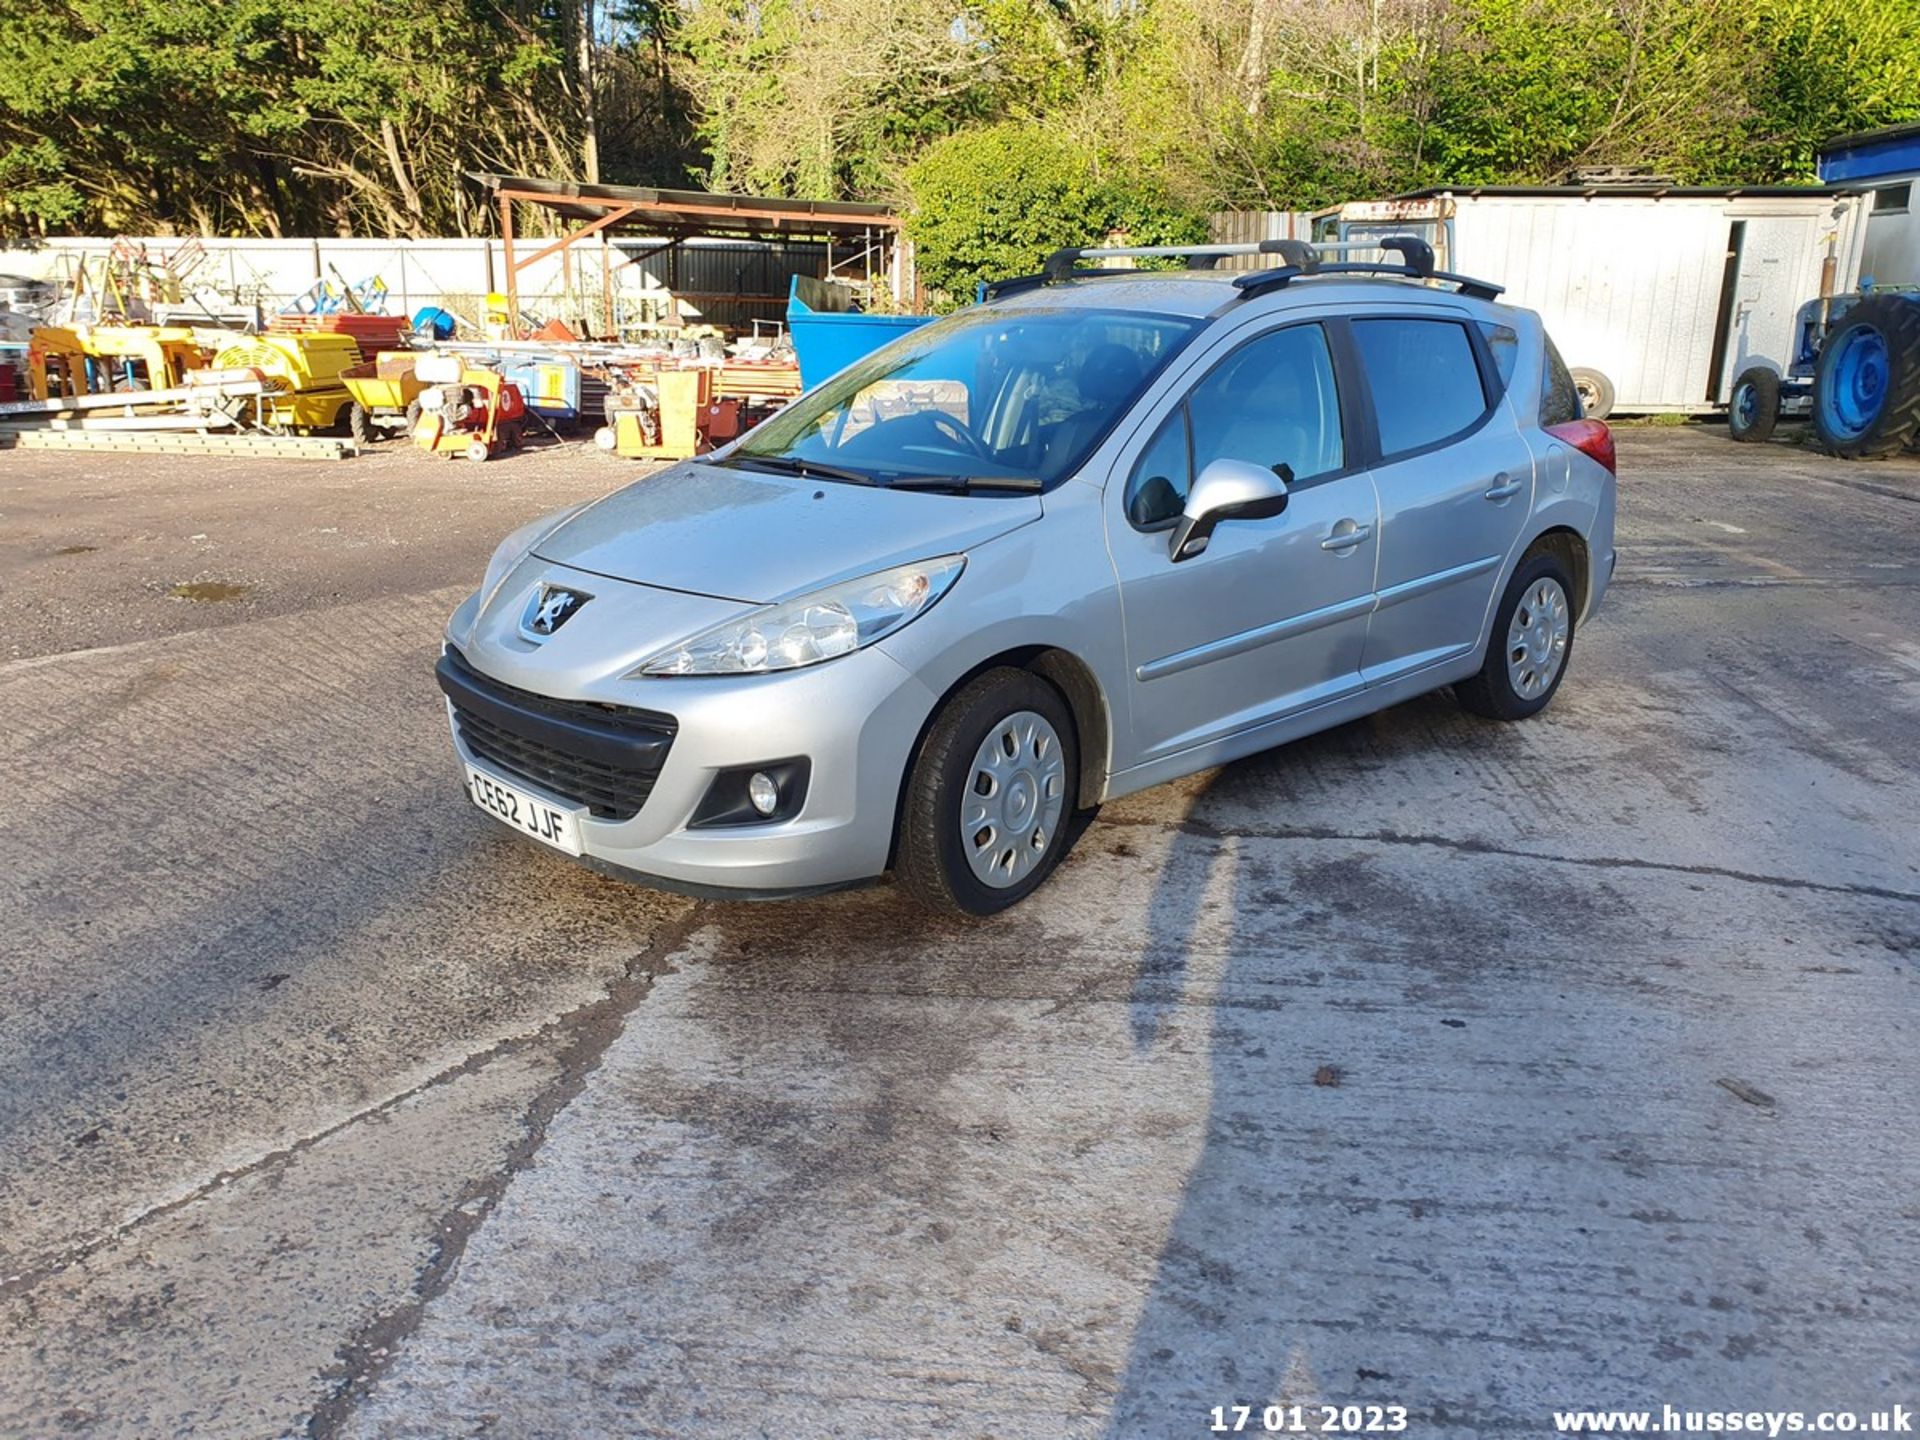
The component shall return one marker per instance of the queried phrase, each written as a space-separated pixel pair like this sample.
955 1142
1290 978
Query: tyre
360 425
1596 393
1532 640
1754 407
478 451
991 796
1866 388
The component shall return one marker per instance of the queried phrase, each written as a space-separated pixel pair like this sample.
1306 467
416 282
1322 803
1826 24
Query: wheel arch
1085 699
1570 547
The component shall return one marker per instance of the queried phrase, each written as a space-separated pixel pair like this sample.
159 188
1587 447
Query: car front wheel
1527 652
991 796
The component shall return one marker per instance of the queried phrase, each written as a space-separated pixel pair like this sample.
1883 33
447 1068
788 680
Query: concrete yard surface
1484 1071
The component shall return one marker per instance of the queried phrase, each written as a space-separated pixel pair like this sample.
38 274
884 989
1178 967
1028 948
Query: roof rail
1417 264
1300 259
1063 264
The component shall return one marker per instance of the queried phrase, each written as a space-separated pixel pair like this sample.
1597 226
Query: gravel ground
1480 1070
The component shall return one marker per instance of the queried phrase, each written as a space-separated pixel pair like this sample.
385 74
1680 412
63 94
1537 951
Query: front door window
1271 403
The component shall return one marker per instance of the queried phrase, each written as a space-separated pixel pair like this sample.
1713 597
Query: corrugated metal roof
1872 155
691 210
1869 137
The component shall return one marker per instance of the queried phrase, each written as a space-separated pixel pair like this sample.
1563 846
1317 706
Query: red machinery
467 410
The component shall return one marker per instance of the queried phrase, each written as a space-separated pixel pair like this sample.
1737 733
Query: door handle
1346 539
1505 487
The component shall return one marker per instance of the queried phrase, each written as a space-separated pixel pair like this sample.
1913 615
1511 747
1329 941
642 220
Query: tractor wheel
1754 407
360 425
1596 393
1866 389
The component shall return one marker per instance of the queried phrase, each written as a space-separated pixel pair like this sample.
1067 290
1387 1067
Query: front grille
605 757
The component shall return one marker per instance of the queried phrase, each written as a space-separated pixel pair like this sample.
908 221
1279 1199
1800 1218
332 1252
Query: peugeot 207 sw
1104 529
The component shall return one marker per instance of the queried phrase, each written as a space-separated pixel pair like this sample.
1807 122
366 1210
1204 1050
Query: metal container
828 335
1668 292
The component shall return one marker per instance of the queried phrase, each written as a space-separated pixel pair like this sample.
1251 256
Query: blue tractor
1856 367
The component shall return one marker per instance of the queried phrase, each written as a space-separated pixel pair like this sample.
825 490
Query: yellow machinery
664 417
386 394
467 409
66 362
303 372
673 408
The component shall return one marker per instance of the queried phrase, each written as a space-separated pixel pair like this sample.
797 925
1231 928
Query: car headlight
810 628
517 546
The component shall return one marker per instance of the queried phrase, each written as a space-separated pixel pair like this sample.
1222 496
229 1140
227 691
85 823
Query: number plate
517 808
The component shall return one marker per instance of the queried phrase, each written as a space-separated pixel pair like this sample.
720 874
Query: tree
296 116
997 201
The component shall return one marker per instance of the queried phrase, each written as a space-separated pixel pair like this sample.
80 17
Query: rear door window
1425 380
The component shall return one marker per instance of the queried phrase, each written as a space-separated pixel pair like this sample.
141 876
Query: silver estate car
1103 529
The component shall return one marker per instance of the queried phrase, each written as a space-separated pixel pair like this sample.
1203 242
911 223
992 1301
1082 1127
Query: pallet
252 447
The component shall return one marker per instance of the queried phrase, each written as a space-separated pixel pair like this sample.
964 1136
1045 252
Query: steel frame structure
679 215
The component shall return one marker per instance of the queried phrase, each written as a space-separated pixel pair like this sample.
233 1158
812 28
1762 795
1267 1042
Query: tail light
1591 438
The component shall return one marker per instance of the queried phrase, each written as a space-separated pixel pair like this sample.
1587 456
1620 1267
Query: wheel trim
1013 800
1746 402
1537 638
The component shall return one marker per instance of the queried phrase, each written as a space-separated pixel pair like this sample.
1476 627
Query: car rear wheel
991 796
1528 650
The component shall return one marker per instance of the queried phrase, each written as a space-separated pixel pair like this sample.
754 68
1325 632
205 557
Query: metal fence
722 282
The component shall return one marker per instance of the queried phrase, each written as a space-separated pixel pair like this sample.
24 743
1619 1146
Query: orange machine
662 417
670 409
467 410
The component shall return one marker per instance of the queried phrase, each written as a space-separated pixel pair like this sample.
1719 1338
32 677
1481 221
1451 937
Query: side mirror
1226 490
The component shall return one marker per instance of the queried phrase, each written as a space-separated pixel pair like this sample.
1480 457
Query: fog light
763 793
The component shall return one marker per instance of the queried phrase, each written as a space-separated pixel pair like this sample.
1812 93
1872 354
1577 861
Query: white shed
1665 292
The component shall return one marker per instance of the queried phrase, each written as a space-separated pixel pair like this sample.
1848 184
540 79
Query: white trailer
1658 295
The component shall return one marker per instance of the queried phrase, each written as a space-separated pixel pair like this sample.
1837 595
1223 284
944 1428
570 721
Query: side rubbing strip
1253 639
1427 584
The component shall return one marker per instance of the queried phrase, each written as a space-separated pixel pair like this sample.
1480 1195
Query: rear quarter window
1424 378
1503 344
1559 400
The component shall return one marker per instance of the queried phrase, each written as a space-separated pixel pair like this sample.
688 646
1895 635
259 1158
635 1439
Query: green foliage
1029 120
1823 68
282 116
996 201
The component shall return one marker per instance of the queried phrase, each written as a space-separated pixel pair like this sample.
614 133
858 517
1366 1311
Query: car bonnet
741 535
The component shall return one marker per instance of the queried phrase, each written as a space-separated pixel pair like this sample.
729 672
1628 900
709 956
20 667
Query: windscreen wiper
790 465
1030 483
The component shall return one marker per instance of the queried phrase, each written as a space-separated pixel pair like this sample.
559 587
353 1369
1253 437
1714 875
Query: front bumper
855 719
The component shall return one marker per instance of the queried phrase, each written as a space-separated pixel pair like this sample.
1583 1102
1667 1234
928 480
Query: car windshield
985 399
